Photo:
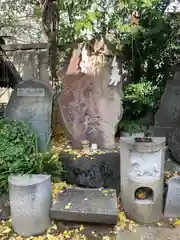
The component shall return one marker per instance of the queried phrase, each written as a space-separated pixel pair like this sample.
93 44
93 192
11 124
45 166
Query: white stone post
142 167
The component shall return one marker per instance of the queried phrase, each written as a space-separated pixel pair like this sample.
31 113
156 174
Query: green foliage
17 146
131 127
50 164
139 99
18 153
150 53
20 21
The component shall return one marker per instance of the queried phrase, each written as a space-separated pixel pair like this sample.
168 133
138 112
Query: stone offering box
142 178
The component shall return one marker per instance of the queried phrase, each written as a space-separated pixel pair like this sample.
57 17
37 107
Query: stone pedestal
30 203
142 170
93 171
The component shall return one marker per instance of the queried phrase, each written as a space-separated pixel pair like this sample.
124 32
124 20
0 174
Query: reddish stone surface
89 108
78 109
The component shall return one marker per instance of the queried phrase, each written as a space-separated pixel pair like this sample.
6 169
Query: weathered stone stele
90 108
169 111
31 101
172 207
167 118
86 205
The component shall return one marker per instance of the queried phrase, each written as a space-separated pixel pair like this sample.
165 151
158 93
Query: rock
86 205
93 171
90 108
31 101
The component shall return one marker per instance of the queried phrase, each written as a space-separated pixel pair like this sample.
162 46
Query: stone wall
30 60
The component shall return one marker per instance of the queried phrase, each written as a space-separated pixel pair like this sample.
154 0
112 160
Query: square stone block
86 205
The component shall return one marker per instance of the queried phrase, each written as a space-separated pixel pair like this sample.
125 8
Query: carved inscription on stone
30 92
90 108
79 110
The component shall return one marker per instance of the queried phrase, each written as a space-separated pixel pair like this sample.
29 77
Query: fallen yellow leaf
177 222
105 191
66 234
51 237
106 238
68 206
81 228
6 230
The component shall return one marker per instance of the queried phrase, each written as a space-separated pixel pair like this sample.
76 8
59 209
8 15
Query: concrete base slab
86 205
147 233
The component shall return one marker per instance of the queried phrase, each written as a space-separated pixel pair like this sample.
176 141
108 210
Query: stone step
86 205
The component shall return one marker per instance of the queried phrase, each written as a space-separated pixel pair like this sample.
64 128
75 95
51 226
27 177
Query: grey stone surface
93 171
169 110
174 142
31 102
142 166
167 118
4 207
30 202
150 233
86 205
172 206
171 165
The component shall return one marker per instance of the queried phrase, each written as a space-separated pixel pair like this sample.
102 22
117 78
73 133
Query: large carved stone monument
167 118
31 101
90 103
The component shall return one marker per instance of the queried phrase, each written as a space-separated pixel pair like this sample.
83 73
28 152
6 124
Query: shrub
18 153
132 127
139 99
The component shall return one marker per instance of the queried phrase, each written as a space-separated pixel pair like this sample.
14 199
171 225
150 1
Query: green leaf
37 12
91 16
78 26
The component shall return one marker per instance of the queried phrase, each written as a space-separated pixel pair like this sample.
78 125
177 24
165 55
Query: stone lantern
142 178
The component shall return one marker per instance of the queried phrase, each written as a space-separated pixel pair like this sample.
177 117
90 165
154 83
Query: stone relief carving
84 64
115 73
